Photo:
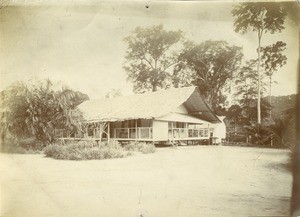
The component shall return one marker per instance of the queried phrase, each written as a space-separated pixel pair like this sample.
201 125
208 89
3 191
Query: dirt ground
185 181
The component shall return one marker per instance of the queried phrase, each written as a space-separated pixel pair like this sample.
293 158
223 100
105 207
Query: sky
81 45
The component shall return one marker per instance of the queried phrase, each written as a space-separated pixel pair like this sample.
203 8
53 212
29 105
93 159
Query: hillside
280 104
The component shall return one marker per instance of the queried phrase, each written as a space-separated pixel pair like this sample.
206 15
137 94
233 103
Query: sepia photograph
149 108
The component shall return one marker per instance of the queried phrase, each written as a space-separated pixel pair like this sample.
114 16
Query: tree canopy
260 17
211 66
150 56
273 57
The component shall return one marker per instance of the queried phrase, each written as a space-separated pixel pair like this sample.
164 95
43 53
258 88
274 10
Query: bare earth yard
186 181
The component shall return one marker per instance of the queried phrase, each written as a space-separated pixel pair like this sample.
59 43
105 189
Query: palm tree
37 109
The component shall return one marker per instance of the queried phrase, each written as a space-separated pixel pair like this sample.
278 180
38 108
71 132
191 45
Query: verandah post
136 130
108 131
172 133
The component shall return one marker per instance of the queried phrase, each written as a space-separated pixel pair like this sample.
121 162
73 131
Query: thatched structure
173 114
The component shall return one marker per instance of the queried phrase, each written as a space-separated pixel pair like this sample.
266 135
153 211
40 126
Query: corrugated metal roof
144 106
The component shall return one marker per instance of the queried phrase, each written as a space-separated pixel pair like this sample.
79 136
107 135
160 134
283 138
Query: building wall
219 130
160 130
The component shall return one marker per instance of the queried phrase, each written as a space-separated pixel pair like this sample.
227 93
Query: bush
85 150
280 134
259 134
140 147
148 148
236 138
56 151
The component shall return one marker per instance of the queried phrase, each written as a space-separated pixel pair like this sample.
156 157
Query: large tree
260 17
272 59
150 57
211 66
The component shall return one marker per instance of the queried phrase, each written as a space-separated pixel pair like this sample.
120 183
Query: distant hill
280 104
285 107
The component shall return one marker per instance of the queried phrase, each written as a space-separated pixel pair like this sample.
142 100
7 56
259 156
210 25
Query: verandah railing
183 133
94 133
133 133
136 133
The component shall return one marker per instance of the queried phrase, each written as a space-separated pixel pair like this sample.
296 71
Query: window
177 124
144 123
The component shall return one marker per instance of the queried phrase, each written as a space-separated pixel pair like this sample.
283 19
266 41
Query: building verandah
138 130
87 131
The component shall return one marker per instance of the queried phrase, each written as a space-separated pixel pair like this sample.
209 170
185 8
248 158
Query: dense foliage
156 59
36 109
280 131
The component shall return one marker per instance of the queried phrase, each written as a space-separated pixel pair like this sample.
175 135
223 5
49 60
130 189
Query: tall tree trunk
270 102
270 96
259 80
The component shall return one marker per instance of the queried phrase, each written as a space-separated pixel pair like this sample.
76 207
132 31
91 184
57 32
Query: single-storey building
176 114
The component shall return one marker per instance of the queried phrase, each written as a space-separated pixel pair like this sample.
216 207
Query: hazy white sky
82 45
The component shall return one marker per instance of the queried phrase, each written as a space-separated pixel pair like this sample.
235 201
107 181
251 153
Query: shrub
259 134
93 153
140 147
132 146
148 148
85 150
56 151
